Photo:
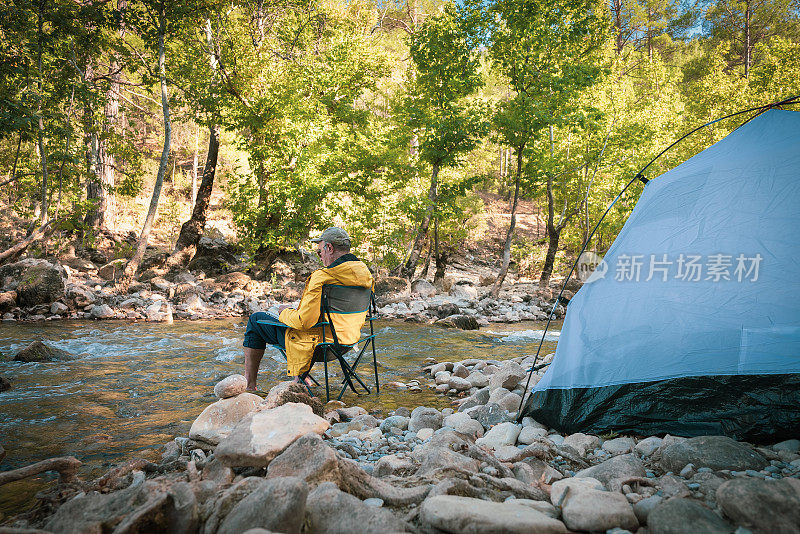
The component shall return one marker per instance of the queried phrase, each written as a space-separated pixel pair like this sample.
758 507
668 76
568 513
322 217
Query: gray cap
335 236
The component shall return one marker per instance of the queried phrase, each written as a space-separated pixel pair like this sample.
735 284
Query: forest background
397 120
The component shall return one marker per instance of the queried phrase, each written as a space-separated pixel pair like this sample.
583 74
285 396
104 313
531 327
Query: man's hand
283 307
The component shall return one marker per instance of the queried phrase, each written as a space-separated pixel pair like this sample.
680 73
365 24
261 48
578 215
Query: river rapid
136 386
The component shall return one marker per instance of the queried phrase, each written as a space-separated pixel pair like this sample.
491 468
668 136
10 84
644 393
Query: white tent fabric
704 278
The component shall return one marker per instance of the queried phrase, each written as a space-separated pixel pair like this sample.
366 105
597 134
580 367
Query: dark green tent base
755 408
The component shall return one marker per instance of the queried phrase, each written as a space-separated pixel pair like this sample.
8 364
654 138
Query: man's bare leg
252 359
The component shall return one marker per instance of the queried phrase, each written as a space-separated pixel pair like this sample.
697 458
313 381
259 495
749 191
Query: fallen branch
67 467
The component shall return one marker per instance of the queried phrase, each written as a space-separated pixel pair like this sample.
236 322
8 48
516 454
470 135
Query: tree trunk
194 165
410 266
40 133
141 247
427 263
107 171
616 8
192 230
441 258
501 276
553 235
746 58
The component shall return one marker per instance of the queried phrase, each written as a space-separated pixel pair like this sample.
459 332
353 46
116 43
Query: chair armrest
273 323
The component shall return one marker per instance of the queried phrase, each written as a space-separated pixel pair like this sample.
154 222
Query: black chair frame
334 349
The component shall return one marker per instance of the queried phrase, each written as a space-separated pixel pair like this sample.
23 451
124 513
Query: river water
136 386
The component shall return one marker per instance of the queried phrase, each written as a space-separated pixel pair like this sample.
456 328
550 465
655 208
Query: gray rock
394 421
582 442
230 386
478 379
510 402
459 384
622 466
618 445
392 287
790 445
764 506
263 435
464 322
446 310
424 417
424 288
457 515
648 446
216 422
35 281
58 308
489 415
503 434
529 434
42 352
508 376
5 385
330 511
460 371
469 427
643 508
593 510
715 452
479 398
278 505
678 516
102 311
570 486
391 464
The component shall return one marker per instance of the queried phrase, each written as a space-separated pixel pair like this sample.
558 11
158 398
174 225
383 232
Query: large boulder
677 516
5 384
42 352
285 392
464 290
278 506
216 422
332 511
464 322
618 467
457 515
714 452
264 434
35 281
763 506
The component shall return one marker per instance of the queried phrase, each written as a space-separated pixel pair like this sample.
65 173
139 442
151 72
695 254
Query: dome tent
695 327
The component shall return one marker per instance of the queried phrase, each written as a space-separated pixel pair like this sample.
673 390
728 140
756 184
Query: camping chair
342 300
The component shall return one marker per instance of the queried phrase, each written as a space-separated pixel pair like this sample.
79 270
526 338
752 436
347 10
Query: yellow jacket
301 338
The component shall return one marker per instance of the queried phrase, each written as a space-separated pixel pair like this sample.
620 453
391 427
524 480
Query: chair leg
375 366
327 386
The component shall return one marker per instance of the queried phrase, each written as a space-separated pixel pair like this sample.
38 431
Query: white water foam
525 336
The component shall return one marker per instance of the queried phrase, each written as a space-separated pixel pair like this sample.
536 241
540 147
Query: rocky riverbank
76 288
288 463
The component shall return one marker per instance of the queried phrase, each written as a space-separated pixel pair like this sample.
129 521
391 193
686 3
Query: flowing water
133 387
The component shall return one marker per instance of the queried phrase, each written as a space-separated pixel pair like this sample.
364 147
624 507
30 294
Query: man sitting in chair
299 337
